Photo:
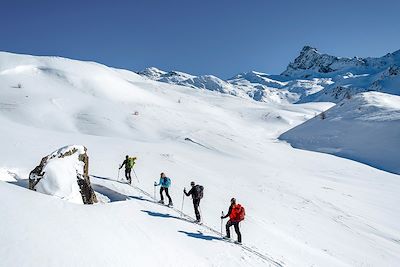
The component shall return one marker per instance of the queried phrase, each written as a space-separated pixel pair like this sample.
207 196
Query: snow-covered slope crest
208 82
250 85
365 128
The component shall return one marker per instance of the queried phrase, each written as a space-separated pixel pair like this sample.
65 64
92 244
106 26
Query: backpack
239 213
198 192
166 182
130 163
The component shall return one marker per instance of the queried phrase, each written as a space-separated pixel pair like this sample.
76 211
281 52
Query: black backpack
198 191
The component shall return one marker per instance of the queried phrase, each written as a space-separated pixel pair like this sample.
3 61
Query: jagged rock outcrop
311 63
64 174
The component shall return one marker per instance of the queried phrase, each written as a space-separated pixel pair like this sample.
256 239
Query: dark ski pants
196 204
236 226
128 175
166 192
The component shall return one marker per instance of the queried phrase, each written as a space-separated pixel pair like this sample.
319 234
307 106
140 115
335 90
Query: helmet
192 183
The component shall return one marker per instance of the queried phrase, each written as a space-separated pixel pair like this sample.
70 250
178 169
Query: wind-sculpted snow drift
302 208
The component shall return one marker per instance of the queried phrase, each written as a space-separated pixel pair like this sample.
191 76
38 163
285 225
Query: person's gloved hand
155 184
222 217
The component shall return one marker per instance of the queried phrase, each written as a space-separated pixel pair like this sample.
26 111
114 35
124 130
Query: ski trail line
266 258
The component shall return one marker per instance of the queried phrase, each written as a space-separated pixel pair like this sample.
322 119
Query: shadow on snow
200 235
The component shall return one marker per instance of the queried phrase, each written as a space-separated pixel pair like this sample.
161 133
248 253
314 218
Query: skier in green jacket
129 163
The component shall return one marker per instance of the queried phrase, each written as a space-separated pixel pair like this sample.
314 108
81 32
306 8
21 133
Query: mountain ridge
311 77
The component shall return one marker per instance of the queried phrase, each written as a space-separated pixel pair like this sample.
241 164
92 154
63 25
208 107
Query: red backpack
238 213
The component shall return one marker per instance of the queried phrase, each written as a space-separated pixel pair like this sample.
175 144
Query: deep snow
303 208
365 128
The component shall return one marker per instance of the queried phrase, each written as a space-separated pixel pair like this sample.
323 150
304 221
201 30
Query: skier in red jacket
236 215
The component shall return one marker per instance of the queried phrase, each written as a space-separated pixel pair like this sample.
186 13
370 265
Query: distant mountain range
311 77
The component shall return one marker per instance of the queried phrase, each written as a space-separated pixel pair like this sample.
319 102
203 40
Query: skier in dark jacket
233 220
197 193
128 168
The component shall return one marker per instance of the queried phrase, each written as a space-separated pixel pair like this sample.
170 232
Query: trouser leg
228 225
161 193
196 204
169 197
128 175
237 230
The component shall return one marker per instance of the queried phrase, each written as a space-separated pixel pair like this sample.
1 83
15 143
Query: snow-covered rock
64 174
365 128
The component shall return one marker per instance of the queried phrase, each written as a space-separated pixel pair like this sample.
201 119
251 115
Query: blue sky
200 37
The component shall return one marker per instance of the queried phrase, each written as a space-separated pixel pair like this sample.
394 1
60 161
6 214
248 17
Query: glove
155 184
222 217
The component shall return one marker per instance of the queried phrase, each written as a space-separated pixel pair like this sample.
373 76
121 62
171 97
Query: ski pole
136 176
154 194
222 215
119 168
183 200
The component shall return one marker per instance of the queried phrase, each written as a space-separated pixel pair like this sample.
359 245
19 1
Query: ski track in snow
116 196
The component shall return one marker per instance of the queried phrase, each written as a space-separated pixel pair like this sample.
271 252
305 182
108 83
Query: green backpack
131 163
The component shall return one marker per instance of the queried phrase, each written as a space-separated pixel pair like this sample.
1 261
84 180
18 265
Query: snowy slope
365 128
123 233
303 208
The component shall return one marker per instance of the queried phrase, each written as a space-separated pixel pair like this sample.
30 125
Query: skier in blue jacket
164 182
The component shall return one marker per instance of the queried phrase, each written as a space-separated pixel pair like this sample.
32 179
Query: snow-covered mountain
312 63
254 85
311 77
348 76
303 208
208 82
